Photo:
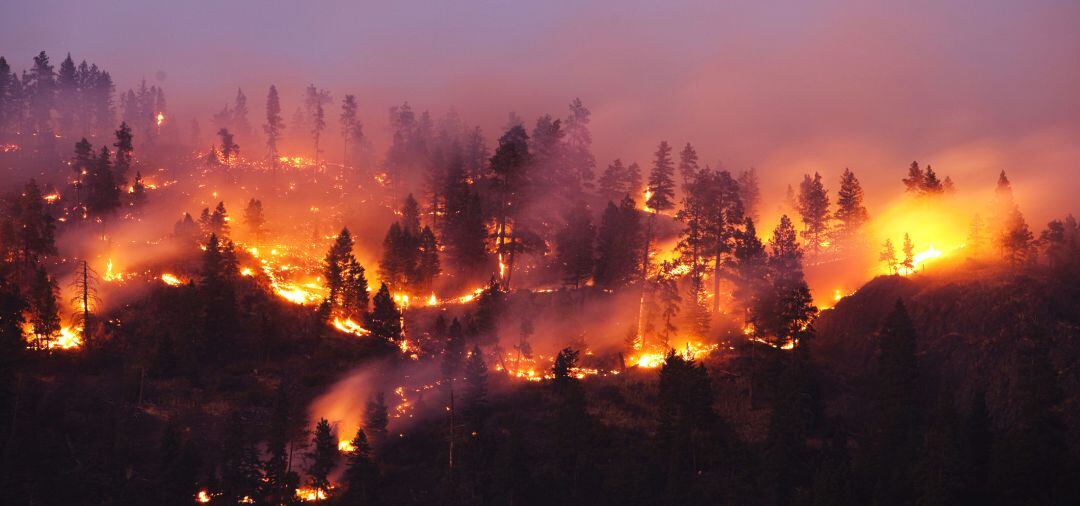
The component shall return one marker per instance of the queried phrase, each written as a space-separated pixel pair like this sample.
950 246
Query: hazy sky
971 87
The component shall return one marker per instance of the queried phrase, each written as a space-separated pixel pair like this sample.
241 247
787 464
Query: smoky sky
972 87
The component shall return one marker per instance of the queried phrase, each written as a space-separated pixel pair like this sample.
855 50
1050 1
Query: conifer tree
349 123
474 397
254 219
124 152
574 246
229 148
661 195
384 320
323 456
688 165
376 418
813 206
891 445
750 193
618 245
274 125
850 214
44 309
360 472
914 181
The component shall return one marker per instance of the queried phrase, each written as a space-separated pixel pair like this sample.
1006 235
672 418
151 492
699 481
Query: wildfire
345 446
348 326
308 494
203 497
160 118
920 259
52 197
111 275
171 280
67 338
690 351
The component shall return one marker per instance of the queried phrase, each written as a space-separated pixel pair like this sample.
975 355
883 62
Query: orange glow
348 326
160 118
171 280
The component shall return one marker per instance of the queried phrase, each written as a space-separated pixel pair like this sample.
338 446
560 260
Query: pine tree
688 165
34 226
509 179
349 124
240 474
103 193
274 125
384 320
891 443
44 309
464 232
574 246
474 397
931 185
914 182
66 95
722 217
40 85
813 207
618 245
355 293
376 418
360 473
138 190
850 214
240 115
124 150
1016 240
323 456
335 268
254 219
579 156
219 221
229 148
314 99
750 193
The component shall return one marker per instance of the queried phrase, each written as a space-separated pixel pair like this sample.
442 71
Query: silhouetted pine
384 320
574 246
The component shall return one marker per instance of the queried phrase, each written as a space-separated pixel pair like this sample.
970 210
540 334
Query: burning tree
813 207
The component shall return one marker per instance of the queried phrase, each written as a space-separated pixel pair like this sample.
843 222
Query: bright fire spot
246 271
348 326
203 496
689 351
345 446
307 494
160 118
502 267
402 299
837 295
921 258
52 197
433 300
110 274
171 280
67 339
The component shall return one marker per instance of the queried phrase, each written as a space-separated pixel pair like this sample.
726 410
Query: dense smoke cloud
786 88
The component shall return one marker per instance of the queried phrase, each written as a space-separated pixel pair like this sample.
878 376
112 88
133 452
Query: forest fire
322 296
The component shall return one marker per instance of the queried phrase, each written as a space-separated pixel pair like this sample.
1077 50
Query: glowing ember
203 497
345 446
160 118
246 271
52 197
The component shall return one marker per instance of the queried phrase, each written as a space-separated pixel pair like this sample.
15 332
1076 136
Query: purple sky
971 87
